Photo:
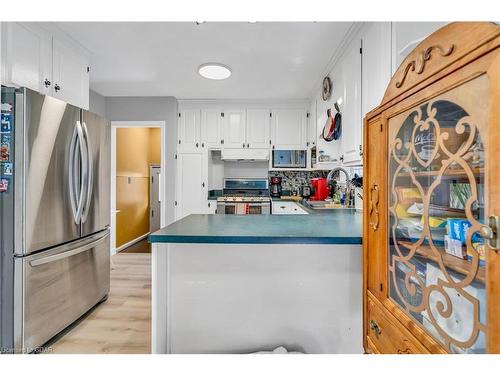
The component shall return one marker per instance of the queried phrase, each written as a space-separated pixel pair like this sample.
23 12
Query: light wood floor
122 324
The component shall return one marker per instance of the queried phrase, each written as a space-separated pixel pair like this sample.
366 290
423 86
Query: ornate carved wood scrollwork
373 209
418 65
435 300
406 349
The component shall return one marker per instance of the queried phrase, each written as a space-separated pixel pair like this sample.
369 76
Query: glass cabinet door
437 208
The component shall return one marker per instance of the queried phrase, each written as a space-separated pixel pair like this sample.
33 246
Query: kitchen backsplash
293 180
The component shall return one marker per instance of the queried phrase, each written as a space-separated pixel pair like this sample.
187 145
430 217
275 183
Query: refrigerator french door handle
84 166
72 193
71 174
88 184
68 250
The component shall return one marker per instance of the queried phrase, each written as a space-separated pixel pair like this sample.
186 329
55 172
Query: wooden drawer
386 335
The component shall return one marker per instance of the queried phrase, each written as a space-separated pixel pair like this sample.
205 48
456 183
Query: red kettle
320 189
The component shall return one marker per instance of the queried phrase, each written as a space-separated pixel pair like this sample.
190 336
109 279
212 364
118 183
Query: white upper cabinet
406 36
70 74
312 132
212 128
350 105
189 130
51 65
27 61
376 64
258 128
250 127
234 128
288 129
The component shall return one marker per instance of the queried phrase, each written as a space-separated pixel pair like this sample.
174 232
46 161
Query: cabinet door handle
47 83
248 145
373 207
208 204
202 145
202 184
375 327
196 144
57 87
243 145
490 232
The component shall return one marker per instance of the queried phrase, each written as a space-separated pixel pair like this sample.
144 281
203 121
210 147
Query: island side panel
159 293
240 298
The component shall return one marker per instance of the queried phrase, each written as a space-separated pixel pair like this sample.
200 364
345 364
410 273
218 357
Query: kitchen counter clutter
336 226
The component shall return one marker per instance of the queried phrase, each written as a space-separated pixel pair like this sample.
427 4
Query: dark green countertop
326 227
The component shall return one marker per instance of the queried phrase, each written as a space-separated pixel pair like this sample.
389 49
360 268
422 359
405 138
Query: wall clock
327 88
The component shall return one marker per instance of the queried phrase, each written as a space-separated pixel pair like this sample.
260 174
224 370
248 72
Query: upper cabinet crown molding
42 59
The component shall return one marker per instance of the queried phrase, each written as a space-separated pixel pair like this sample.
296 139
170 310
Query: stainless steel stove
245 196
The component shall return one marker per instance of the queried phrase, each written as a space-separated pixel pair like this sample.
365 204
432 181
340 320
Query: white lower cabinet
191 185
287 208
211 206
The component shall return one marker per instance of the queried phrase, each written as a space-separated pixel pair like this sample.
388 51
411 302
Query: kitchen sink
324 205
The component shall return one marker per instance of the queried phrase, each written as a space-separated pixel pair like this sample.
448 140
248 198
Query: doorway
154 197
136 172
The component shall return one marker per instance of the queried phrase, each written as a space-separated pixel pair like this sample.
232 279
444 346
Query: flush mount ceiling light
214 71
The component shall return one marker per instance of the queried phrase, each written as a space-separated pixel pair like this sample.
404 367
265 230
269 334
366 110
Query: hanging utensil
337 132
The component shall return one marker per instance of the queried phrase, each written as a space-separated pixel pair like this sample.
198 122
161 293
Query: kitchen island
240 284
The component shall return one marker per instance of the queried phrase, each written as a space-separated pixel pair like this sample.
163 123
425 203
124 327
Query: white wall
97 104
162 108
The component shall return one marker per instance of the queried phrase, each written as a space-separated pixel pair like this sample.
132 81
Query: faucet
348 197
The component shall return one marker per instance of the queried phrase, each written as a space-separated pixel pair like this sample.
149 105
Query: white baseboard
130 243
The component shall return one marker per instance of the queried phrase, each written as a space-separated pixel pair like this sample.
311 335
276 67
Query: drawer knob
375 327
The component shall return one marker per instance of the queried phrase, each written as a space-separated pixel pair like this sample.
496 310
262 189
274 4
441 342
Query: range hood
236 154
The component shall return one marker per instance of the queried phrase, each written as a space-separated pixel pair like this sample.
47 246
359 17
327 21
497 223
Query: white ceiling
270 60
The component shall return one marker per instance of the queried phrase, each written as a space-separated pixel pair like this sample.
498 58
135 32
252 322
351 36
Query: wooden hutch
432 199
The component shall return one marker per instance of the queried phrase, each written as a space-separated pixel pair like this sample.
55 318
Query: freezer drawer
60 285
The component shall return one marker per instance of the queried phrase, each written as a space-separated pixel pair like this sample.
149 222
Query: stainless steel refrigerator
55 214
